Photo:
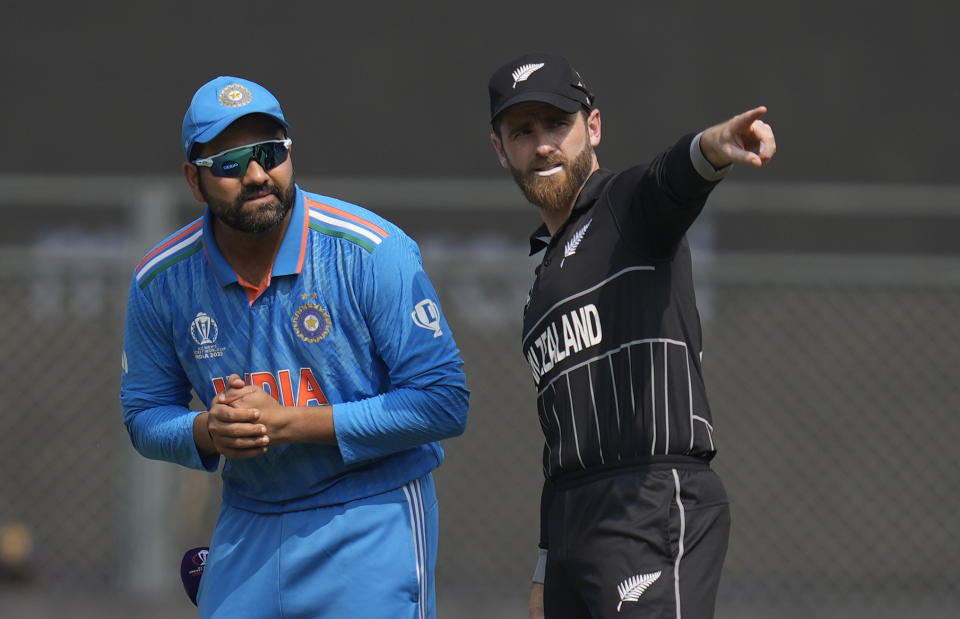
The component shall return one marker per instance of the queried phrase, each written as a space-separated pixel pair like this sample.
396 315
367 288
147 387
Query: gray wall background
863 91
828 281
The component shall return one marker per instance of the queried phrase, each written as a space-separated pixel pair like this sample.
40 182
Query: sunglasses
233 163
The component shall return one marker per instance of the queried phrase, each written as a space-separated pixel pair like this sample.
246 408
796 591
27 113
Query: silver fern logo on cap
522 72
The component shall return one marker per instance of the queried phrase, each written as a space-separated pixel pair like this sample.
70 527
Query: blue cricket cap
221 101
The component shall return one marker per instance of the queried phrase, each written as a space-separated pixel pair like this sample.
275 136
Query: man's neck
251 254
555 218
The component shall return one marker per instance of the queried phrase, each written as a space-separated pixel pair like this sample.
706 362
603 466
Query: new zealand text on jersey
581 330
281 387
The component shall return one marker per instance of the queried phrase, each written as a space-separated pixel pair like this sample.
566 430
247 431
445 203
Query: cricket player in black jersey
634 521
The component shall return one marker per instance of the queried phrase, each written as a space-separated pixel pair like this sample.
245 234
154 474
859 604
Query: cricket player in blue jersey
310 329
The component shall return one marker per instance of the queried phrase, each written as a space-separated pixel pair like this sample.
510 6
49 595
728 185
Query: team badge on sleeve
311 323
426 315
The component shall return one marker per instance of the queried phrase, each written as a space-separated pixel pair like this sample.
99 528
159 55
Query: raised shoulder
180 245
334 217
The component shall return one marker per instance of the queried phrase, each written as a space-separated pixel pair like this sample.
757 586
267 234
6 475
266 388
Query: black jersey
611 329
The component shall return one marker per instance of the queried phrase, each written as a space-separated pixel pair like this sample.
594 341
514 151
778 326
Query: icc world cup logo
204 329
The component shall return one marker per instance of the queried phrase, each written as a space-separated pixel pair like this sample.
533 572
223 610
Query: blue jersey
348 317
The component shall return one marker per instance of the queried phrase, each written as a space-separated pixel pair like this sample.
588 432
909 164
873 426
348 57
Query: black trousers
645 541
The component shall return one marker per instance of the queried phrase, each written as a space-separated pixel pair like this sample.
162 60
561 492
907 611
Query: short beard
264 219
547 192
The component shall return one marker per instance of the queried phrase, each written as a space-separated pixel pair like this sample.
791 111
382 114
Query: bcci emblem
235 95
426 315
311 323
204 331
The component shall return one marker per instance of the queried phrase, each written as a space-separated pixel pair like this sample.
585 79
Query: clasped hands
244 420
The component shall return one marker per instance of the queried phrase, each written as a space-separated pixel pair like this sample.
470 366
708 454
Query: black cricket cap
538 76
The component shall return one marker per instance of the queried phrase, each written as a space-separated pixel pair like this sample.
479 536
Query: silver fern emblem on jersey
571 247
524 71
632 588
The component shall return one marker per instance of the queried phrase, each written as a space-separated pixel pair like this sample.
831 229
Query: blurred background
828 282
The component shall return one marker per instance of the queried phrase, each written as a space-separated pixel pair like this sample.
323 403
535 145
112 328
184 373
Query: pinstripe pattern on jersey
414 494
182 244
581 416
340 223
576 441
596 417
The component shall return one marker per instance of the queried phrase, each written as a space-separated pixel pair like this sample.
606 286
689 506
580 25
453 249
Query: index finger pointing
747 118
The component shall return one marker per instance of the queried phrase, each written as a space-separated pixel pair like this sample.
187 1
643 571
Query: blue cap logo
235 95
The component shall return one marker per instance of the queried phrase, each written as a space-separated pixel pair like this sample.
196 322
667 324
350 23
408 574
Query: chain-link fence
832 381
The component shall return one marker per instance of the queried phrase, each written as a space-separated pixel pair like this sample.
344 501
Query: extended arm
672 190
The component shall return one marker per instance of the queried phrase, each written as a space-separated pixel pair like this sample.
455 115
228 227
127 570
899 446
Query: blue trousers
370 558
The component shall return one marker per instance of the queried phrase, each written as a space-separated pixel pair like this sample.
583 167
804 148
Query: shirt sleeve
154 391
657 203
427 399
702 165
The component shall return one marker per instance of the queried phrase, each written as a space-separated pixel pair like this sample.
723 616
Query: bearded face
549 152
266 216
552 183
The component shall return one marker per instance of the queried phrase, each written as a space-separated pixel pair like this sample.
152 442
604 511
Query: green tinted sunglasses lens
270 155
233 163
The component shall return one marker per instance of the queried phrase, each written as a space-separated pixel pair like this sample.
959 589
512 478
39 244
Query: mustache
549 162
249 191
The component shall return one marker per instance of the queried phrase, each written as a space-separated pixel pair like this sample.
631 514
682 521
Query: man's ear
498 146
192 174
593 127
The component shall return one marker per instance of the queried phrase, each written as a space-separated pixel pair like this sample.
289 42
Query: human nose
545 145
255 174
